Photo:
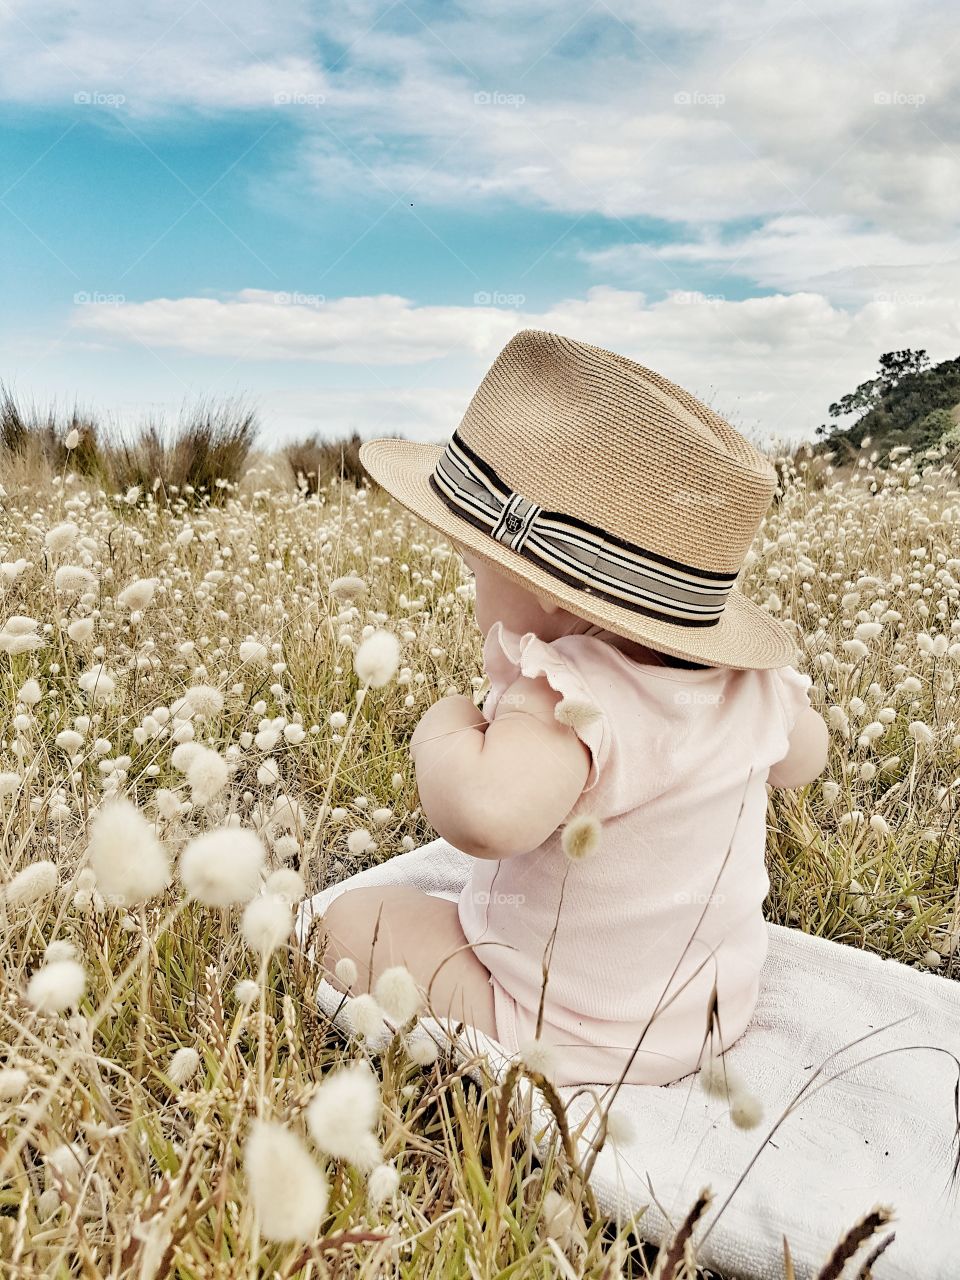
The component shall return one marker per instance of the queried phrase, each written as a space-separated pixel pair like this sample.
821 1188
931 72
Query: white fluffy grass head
288 1189
183 753
33 883
57 986
720 1078
30 693
266 924
365 1016
70 1160
130 863
14 1083
80 629
98 682
343 1115
346 971
377 659
59 949
746 1109
348 587
73 580
382 1184
69 740
621 1130
423 1050
204 700
359 841
221 868
577 713
398 994
287 813
286 884
60 537
183 1066
246 992
254 654
559 1217
538 1057
580 838
207 773
268 772
138 594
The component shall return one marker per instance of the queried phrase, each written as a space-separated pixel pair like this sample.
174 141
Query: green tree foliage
907 403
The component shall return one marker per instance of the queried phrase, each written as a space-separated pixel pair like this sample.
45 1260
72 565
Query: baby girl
603 512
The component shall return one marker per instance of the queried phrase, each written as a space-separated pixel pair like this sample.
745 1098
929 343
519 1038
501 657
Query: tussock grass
316 463
200 457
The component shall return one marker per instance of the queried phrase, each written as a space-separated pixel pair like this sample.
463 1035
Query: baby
499 789
642 958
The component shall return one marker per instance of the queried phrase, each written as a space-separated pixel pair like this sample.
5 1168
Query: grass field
136 1068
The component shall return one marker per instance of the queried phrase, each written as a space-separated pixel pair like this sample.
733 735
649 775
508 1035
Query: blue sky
343 212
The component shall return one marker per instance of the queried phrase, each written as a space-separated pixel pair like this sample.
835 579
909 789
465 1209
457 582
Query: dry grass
201 457
315 462
159 1187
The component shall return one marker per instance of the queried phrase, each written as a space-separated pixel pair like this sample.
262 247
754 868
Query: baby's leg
416 930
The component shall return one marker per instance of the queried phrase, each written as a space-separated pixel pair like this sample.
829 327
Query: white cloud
259 325
771 364
835 256
778 110
159 58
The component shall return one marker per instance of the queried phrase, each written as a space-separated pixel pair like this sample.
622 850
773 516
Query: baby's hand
502 788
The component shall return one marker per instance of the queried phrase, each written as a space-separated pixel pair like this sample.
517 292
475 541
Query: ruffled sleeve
507 656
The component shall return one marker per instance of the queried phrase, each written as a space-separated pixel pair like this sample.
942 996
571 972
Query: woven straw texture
586 432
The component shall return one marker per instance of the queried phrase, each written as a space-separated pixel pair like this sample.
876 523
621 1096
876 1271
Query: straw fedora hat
605 489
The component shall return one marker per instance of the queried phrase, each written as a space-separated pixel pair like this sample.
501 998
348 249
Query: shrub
315 462
201 458
38 438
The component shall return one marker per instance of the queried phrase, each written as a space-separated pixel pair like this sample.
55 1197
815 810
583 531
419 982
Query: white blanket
882 1133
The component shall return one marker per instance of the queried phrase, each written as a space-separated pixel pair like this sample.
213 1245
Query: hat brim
746 637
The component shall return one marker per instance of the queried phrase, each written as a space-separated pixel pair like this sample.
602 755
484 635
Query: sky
340 212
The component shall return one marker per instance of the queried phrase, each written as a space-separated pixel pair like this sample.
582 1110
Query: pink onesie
672 754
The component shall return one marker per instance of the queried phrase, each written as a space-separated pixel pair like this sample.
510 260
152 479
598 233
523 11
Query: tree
907 403
866 397
895 365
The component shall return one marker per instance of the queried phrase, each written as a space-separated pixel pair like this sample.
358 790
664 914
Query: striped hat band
575 552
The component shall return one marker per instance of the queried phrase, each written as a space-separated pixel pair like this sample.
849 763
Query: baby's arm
807 756
501 788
